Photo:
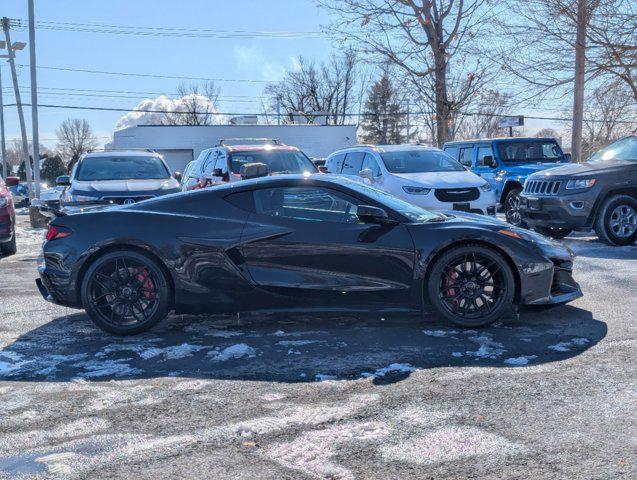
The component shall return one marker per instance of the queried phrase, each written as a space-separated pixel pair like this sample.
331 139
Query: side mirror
177 176
63 181
253 170
568 157
322 169
489 161
370 214
12 181
217 172
366 173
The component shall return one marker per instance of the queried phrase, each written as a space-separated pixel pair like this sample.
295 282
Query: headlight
80 198
584 183
416 190
486 187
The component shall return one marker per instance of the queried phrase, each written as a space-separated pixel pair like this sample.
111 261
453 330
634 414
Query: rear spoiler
56 208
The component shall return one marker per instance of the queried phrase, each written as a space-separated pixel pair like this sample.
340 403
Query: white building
179 144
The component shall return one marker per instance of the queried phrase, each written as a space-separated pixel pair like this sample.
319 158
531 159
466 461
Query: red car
7 217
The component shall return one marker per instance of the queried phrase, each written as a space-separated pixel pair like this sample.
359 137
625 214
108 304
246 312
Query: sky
259 60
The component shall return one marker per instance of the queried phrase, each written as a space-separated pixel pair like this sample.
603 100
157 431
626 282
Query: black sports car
295 243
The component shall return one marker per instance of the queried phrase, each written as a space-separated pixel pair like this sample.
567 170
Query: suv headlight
486 187
79 198
576 184
416 190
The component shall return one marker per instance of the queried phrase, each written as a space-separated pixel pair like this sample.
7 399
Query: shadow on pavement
594 248
286 348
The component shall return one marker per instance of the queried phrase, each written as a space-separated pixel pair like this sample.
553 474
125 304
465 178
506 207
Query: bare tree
547 132
483 115
312 90
75 137
196 104
431 42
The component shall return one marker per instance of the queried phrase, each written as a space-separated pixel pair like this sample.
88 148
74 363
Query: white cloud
149 111
253 60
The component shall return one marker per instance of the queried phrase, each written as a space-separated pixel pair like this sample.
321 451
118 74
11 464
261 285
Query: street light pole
18 101
5 170
34 102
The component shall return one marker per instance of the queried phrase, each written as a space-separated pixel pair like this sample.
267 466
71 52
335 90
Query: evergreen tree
52 167
383 115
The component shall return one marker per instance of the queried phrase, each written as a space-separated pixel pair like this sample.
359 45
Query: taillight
54 232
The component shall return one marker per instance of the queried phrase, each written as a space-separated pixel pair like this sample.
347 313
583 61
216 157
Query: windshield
624 149
278 161
122 168
417 161
412 212
530 151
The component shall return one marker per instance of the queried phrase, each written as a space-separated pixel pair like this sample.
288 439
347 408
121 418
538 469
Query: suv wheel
616 222
9 248
554 232
512 208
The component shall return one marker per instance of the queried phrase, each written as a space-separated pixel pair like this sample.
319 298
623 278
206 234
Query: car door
484 169
306 241
371 163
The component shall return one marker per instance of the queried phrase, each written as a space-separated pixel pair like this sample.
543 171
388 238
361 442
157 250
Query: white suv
424 176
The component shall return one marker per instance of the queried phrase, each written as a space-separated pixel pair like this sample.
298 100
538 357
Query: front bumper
484 205
551 286
568 211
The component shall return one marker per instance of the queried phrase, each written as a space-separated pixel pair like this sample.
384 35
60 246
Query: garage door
176 159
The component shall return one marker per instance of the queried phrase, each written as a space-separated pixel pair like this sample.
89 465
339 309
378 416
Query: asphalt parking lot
551 394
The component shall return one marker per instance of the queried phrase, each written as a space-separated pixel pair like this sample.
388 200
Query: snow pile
235 351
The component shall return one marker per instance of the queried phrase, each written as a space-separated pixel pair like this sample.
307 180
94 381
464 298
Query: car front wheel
125 293
512 208
9 248
616 222
472 286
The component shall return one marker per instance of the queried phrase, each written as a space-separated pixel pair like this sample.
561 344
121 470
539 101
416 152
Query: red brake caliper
451 277
143 278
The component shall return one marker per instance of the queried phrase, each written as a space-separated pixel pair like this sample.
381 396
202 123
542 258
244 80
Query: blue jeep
505 163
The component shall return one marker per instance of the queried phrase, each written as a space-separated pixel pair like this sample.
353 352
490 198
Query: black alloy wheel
553 232
472 286
512 208
125 293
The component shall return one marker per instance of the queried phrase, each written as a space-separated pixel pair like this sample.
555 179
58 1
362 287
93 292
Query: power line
26 87
471 114
146 75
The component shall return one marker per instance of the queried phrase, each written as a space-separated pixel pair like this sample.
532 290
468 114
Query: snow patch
106 368
297 343
439 333
522 360
567 346
488 348
235 351
321 377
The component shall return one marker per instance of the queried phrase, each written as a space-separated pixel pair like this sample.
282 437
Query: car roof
501 139
387 148
121 153
278 181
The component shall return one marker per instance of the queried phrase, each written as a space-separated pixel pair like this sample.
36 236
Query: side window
453 151
353 163
208 164
335 163
221 161
306 203
466 156
485 151
370 163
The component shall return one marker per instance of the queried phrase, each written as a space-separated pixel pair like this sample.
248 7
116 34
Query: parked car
186 174
252 245
118 176
600 193
506 163
223 163
424 176
20 193
7 216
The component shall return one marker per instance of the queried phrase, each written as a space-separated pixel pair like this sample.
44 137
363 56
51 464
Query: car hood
585 169
125 186
442 179
529 168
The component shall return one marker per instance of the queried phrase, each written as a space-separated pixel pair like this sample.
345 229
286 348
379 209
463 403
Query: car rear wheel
125 293
554 232
9 248
472 286
616 222
512 208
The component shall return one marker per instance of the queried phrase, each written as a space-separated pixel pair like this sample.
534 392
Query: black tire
554 232
484 268
9 248
125 292
616 222
512 208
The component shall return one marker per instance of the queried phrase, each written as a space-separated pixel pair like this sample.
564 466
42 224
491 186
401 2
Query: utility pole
580 72
25 143
5 170
34 102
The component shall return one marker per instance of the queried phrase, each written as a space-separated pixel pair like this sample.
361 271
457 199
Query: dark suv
600 193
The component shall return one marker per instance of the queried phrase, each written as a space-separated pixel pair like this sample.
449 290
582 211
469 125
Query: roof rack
113 149
242 141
